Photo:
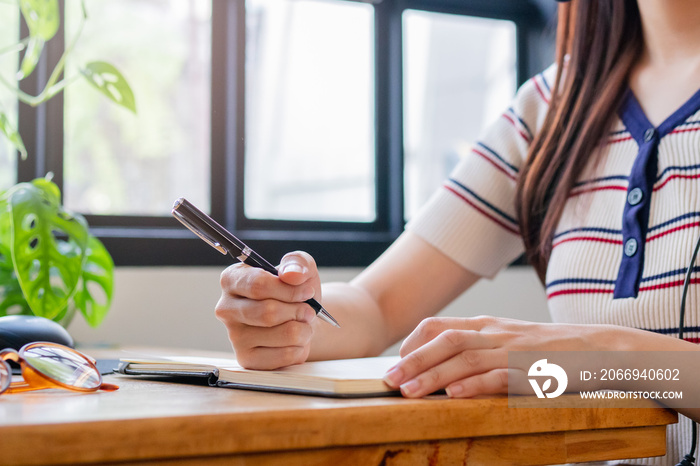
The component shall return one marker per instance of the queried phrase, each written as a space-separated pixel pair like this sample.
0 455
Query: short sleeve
472 218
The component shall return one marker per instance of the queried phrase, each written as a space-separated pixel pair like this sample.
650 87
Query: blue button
630 247
635 196
649 134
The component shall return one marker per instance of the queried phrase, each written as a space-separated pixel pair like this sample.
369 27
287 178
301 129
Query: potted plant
50 264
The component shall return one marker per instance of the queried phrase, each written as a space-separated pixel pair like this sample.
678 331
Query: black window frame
161 241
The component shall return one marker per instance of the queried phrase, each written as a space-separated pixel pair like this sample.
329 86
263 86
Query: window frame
161 241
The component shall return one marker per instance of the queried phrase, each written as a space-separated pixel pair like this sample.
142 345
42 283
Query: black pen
223 241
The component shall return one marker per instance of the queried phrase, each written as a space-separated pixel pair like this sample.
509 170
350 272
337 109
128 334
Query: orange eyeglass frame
34 379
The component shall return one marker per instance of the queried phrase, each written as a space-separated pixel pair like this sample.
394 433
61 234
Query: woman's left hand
469 356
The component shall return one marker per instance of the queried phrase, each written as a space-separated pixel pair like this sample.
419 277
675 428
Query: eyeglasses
48 365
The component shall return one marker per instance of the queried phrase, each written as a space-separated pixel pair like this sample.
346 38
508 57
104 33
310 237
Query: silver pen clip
215 244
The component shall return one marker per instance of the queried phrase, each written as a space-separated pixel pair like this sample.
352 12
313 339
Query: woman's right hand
268 322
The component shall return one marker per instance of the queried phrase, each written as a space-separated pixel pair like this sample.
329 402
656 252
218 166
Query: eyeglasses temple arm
22 386
9 355
109 387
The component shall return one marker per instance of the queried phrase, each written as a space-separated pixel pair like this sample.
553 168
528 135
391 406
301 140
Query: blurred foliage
43 21
138 166
50 265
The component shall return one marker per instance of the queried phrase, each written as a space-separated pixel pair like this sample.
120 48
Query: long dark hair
598 42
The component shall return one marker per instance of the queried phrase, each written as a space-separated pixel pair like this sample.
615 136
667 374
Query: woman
597 182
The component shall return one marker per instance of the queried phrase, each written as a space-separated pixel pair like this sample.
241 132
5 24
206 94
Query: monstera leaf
50 265
47 246
11 296
110 82
94 294
43 21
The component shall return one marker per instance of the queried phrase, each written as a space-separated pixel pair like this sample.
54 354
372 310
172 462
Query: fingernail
394 376
292 267
410 387
454 390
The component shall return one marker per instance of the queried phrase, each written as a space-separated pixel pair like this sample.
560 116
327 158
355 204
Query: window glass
9 61
309 110
118 163
459 75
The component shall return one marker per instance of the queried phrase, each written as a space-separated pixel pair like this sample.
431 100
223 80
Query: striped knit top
626 235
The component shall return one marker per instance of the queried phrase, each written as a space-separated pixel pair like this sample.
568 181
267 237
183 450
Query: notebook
342 378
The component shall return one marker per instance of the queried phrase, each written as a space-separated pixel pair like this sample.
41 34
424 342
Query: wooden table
178 424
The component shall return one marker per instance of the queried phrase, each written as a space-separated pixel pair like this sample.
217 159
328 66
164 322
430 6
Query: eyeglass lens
63 366
5 376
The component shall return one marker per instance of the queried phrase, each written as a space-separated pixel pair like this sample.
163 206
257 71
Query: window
138 164
459 74
8 104
298 124
310 120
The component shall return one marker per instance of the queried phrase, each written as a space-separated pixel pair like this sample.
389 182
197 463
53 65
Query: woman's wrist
628 352
618 338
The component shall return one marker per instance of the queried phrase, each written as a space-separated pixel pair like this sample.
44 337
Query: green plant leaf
50 189
11 296
65 317
12 135
43 20
94 294
31 57
109 81
42 17
48 246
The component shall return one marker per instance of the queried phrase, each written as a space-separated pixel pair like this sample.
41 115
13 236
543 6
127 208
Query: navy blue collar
635 218
637 123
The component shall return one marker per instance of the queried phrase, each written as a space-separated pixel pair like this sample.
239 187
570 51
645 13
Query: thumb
297 267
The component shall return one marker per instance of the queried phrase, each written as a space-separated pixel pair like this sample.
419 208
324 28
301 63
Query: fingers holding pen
270 348
288 334
268 334
255 298
264 314
268 320
257 284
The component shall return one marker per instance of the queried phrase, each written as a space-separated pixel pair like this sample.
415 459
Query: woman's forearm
658 364
363 330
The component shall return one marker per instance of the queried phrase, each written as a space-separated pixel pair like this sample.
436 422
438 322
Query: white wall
173 307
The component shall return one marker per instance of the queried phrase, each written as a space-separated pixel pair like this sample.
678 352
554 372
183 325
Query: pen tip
325 316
